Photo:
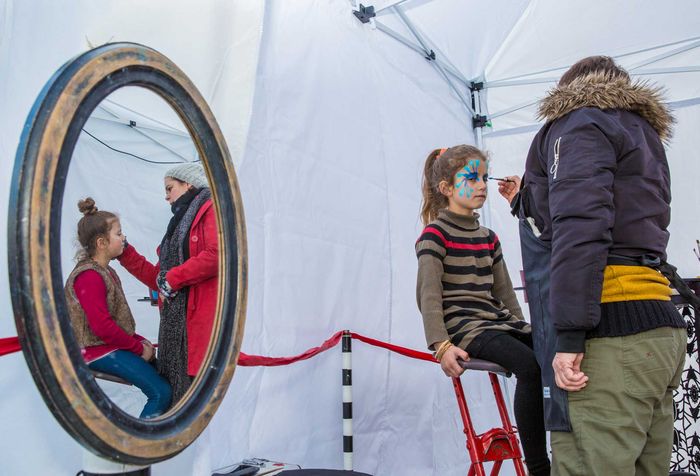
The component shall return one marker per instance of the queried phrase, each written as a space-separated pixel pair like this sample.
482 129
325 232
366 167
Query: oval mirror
123 125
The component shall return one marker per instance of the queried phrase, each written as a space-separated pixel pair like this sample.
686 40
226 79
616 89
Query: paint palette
255 467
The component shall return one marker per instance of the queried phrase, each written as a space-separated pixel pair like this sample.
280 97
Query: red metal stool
497 444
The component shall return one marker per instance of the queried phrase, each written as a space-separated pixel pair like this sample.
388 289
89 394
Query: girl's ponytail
433 200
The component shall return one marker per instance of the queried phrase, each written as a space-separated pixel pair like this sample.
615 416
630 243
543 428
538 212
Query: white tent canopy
328 121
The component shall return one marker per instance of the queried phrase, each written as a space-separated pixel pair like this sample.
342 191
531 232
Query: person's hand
567 371
148 351
449 363
164 287
509 189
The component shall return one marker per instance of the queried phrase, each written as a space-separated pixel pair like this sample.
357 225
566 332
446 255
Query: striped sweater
463 284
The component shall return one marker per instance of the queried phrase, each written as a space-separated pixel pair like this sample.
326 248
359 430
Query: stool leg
505 419
475 468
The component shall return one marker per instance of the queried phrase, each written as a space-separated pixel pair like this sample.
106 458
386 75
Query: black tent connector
132 123
479 121
364 13
476 86
430 56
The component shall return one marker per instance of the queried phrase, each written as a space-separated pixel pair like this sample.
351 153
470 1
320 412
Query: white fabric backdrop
329 122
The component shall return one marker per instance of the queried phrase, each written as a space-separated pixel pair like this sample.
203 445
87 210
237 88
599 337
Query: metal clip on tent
497 444
480 120
364 14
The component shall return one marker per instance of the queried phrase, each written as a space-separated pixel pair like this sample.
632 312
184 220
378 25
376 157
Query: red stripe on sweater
461 246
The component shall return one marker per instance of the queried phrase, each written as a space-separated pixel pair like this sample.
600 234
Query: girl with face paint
464 291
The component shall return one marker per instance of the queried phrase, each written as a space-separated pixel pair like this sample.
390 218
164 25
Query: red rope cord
246 360
9 345
414 354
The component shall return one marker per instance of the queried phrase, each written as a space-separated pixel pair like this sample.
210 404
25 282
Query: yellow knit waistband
634 283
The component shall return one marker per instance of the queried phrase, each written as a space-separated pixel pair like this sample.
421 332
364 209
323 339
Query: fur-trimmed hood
601 91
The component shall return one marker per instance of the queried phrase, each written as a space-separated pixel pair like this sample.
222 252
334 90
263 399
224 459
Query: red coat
199 272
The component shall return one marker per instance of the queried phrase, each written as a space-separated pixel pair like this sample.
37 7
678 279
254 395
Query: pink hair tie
442 151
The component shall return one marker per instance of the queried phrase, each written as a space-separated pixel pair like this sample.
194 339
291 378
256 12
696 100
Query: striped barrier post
347 400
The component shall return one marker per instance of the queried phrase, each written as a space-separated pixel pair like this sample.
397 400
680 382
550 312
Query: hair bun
87 206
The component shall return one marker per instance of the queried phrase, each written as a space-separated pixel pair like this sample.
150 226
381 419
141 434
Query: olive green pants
623 419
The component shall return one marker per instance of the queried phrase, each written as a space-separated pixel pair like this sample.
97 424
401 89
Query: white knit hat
190 173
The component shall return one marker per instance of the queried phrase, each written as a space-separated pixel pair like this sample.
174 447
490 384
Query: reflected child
100 316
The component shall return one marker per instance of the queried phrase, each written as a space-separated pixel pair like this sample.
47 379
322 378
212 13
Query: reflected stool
497 444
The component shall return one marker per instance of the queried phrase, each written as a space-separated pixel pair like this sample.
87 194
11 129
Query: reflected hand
509 189
449 363
164 287
148 351
567 371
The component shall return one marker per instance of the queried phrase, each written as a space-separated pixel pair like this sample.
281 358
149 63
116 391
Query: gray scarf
172 335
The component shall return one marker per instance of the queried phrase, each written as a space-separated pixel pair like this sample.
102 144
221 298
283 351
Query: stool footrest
110 377
498 445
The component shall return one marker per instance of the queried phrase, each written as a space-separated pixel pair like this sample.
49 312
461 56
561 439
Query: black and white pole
347 400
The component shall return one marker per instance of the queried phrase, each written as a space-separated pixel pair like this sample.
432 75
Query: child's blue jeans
135 370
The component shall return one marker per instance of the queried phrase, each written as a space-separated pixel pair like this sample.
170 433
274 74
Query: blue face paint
471 172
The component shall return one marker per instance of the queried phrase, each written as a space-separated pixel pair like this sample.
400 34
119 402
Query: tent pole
514 108
420 50
167 127
152 139
518 82
431 54
639 72
477 127
668 54
623 55
672 70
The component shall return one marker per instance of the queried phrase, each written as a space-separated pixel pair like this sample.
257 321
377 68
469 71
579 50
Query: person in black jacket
594 208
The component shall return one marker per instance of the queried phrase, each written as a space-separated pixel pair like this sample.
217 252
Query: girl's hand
148 351
509 189
449 363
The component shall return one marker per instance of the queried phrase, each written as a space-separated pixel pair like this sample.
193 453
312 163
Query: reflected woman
185 276
100 316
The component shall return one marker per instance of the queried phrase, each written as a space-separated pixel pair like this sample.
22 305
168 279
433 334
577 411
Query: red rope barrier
414 354
9 345
246 360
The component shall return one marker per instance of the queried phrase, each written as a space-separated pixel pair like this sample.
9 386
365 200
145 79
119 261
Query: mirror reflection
139 252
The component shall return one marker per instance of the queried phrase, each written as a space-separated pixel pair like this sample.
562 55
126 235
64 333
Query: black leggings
514 353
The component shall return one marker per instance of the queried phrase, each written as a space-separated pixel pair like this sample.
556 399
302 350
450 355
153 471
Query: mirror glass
139 252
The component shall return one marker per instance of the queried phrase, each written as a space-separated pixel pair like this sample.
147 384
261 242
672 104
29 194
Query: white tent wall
342 122
328 129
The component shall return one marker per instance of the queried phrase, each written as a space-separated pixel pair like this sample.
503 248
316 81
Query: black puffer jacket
597 182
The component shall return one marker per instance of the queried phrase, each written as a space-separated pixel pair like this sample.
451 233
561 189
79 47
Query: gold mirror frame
41 315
